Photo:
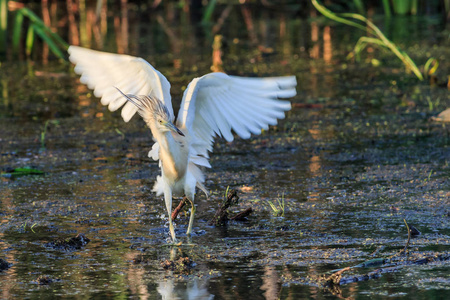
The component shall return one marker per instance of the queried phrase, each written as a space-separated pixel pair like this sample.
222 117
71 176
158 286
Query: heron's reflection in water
169 289
195 289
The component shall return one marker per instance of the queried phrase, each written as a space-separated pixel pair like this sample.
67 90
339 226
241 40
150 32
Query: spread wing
216 104
104 72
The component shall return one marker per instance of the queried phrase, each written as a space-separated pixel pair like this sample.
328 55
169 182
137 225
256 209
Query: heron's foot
180 244
173 243
189 242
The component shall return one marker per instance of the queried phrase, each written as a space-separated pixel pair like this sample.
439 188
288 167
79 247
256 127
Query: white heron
212 105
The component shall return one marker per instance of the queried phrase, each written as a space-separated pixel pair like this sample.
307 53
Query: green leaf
3 26
30 41
209 11
47 39
17 31
21 172
39 23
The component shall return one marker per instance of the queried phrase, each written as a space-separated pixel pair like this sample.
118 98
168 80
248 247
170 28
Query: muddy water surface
355 157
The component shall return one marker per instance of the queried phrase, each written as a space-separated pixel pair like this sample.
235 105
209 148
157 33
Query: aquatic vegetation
403 7
209 11
278 208
31 227
16 172
44 132
379 39
3 25
432 104
36 27
430 67
353 159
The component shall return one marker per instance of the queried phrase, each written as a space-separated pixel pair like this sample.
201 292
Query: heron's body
174 154
172 147
214 104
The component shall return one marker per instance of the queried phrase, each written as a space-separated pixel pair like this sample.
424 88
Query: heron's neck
173 155
169 144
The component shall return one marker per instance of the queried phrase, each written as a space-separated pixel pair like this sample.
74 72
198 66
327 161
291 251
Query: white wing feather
103 72
216 104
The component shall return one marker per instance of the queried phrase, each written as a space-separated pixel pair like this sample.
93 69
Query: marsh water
355 157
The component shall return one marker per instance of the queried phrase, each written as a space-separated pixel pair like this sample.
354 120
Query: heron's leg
168 200
189 191
191 218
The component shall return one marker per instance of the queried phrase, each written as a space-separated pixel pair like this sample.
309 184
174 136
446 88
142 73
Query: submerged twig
177 210
407 242
388 269
242 215
384 265
409 236
335 278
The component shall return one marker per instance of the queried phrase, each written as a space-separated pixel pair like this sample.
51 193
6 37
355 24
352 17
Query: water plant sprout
278 210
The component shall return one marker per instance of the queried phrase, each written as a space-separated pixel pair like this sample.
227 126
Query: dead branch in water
221 217
242 215
388 269
385 265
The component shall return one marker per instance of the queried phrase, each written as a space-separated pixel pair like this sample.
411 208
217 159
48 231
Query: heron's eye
160 122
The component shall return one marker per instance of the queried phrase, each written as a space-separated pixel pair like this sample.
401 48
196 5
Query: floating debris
72 244
4 265
44 280
181 265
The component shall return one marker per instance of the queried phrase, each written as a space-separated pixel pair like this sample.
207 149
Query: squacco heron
212 105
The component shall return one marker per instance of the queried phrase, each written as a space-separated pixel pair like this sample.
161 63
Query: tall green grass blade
359 6
209 11
329 14
4 87
387 8
401 7
373 29
51 44
362 44
39 23
430 66
3 27
85 42
29 41
414 7
17 32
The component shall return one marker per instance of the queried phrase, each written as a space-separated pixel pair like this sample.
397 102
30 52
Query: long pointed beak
174 128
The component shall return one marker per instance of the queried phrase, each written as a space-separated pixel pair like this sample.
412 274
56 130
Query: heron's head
163 123
154 113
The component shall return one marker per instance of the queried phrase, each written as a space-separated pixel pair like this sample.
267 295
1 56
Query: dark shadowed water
356 155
